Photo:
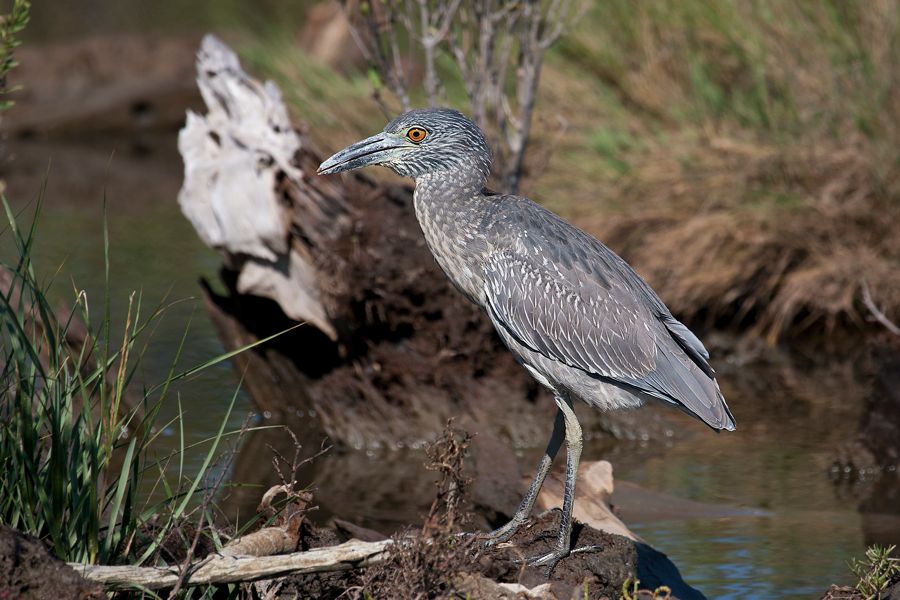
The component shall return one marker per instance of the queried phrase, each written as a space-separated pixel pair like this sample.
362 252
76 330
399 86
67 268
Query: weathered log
231 569
391 350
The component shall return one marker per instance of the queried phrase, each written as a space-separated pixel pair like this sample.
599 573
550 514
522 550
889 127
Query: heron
574 314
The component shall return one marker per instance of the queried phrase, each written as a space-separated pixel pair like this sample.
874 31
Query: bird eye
416 134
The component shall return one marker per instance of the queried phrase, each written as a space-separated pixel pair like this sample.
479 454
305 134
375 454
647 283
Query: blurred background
743 156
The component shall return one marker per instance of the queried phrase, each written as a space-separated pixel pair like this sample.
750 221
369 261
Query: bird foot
551 559
501 534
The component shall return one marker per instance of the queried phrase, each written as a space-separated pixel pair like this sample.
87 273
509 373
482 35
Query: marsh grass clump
11 27
77 432
427 563
878 570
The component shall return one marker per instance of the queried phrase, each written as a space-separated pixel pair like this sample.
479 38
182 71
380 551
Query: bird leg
504 533
574 444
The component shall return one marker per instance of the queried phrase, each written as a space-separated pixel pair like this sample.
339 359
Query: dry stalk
877 314
187 565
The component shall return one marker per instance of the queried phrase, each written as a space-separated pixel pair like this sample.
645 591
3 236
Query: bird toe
549 560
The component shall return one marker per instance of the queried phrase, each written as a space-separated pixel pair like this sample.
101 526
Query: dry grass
774 239
428 563
742 155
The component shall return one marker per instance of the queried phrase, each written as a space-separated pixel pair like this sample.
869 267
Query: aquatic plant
876 571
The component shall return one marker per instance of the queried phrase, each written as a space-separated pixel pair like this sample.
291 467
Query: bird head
418 143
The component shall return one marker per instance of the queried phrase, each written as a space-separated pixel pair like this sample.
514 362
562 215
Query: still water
776 462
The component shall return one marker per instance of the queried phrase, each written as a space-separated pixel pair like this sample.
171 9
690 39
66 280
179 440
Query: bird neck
458 179
451 197
452 210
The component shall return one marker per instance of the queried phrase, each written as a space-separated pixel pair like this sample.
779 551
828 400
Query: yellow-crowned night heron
573 313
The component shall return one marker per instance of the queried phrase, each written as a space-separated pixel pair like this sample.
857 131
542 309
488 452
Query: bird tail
678 380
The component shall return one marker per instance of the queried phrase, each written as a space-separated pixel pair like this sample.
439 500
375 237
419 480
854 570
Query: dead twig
425 564
876 312
208 496
288 518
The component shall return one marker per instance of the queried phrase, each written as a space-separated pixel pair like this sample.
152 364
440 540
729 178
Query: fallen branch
232 569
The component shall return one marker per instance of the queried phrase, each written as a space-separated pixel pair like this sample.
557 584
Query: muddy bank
444 555
29 571
500 574
876 448
866 470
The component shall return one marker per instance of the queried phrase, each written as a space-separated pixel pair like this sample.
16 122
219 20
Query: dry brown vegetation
743 156
428 563
748 155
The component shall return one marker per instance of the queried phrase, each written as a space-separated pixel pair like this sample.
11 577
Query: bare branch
485 38
876 312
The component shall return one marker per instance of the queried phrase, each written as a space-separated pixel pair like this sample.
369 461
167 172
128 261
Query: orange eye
416 134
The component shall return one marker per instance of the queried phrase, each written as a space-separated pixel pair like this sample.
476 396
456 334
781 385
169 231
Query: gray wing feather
690 343
562 293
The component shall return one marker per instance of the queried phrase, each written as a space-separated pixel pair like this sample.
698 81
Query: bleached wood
595 488
237 158
353 554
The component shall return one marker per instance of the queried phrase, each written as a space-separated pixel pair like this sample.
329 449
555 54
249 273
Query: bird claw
586 549
500 535
551 559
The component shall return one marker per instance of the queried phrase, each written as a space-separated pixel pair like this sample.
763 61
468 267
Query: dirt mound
601 572
28 571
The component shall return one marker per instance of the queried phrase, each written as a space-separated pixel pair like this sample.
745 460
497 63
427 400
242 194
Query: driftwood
390 350
230 569
595 488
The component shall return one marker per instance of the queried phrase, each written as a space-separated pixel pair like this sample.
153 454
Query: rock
842 592
478 586
29 571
